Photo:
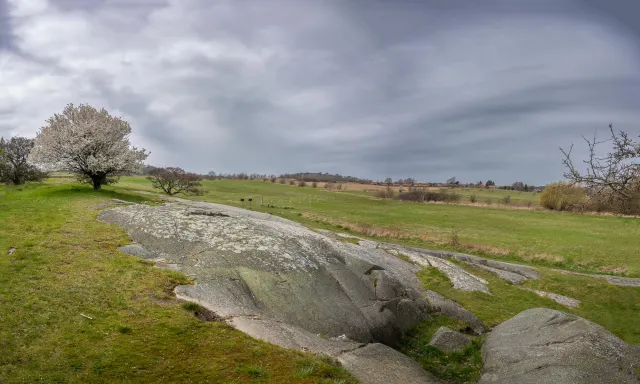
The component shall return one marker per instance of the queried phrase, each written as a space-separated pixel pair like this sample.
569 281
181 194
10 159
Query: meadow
580 242
75 310
66 266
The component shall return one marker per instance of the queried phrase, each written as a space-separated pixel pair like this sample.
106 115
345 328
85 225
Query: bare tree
14 165
173 180
89 143
616 174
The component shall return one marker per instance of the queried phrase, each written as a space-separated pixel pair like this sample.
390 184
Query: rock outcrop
448 340
543 345
281 282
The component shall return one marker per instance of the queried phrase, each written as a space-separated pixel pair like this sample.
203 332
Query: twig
85 316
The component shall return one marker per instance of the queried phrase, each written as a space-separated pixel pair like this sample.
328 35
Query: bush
473 198
506 200
314 184
174 180
562 197
489 201
329 186
273 179
422 194
282 181
339 186
292 182
302 183
387 193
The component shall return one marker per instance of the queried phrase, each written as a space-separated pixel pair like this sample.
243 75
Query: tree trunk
97 182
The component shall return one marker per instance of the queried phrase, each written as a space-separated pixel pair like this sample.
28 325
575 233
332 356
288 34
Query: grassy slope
581 242
615 308
66 264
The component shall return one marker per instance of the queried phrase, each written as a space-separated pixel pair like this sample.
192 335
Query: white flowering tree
89 143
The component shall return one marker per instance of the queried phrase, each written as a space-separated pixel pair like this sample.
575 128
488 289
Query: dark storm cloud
426 89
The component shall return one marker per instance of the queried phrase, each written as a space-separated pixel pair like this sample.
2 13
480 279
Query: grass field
589 243
66 265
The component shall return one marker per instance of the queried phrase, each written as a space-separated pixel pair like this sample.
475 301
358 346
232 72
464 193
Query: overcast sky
416 88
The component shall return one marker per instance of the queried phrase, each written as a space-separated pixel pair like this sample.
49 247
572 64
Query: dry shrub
282 181
506 200
422 194
292 182
329 186
473 198
562 197
314 184
608 201
489 201
387 193
455 238
302 183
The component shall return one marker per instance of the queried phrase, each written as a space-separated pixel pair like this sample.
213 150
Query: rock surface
378 364
454 310
448 340
542 345
283 283
560 299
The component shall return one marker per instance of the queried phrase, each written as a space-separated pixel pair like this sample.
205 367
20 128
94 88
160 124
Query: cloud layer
372 89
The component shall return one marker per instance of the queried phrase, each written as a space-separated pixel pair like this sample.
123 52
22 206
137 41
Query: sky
429 89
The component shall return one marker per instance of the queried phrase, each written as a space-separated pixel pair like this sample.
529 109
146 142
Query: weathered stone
560 299
448 340
379 364
248 263
454 310
136 250
542 345
511 277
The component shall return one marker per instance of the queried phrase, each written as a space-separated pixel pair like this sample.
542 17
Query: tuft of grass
455 367
125 329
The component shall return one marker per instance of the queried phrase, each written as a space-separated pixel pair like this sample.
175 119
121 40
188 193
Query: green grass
454 367
66 265
588 243
615 308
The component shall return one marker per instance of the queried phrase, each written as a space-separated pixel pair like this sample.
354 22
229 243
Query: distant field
581 242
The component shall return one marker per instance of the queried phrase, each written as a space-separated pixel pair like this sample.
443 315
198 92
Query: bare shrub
273 180
422 194
174 180
613 180
282 181
292 182
314 184
489 201
387 193
562 197
473 198
329 186
339 186
302 183
506 200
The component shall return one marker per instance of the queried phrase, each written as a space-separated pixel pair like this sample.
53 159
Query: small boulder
448 340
